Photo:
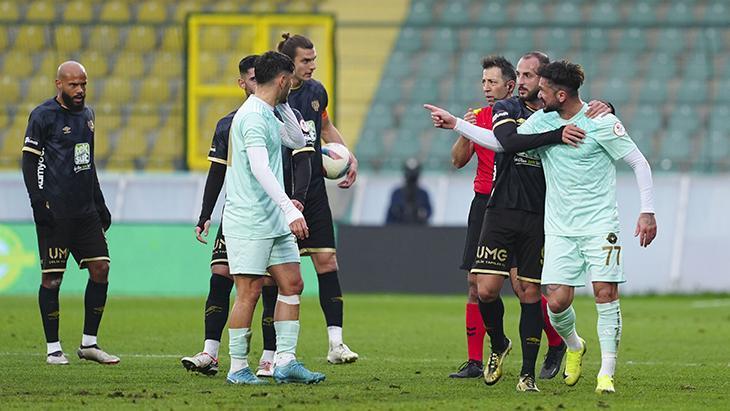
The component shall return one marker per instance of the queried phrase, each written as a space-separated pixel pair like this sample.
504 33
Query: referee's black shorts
510 236
473 228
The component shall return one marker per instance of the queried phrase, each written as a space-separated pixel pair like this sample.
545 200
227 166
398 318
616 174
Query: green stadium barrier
147 260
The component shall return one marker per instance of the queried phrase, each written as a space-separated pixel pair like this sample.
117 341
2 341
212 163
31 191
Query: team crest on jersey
612 238
90 123
82 157
619 129
315 105
66 130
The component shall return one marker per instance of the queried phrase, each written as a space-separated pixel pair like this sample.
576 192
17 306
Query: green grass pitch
674 355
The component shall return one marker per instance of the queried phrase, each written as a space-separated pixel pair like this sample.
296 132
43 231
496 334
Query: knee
557 303
606 294
473 294
529 293
51 281
222 270
488 294
292 287
324 262
99 272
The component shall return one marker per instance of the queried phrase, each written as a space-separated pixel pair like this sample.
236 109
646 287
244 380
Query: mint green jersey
581 182
249 212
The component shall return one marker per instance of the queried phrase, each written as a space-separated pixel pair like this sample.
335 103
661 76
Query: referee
68 208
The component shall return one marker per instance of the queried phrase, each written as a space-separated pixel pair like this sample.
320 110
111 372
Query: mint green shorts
256 256
568 260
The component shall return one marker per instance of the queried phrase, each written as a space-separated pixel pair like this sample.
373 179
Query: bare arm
461 152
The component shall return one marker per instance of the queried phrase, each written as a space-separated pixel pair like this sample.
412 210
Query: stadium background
664 64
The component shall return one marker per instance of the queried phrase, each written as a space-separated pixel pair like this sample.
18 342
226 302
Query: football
336 160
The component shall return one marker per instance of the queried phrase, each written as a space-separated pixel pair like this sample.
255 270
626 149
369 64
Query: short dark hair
507 69
290 44
270 64
564 75
539 55
247 63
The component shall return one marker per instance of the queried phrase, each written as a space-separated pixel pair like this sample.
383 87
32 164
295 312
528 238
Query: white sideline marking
723 302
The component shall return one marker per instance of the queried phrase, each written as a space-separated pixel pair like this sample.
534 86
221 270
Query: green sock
564 324
609 334
287 333
238 347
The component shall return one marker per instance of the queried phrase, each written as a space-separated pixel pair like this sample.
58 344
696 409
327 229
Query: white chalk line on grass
385 359
723 302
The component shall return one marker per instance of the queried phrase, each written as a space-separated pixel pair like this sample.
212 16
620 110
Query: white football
336 160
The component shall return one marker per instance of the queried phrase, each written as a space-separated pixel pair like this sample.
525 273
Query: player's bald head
70 69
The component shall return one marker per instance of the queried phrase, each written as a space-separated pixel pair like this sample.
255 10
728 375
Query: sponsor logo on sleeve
499 115
29 140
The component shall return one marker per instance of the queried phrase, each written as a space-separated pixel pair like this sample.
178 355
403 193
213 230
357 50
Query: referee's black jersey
311 100
520 181
64 140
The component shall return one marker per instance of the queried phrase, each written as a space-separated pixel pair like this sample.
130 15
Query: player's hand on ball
202 230
299 228
351 174
646 229
573 135
597 108
298 204
470 116
440 117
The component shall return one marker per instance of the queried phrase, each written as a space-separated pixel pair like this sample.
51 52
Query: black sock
268 295
216 306
330 298
94 302
530 334
48 302
493 316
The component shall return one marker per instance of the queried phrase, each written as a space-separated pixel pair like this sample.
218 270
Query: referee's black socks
493 316
330 298
94 303
530 334
216 306
48 303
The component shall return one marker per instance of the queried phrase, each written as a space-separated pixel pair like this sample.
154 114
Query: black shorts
82 237
510 236
474 227
318 216
220 254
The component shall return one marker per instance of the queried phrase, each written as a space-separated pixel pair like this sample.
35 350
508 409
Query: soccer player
68 208
512 231
581 219
259 220
498 82
221 282
310 98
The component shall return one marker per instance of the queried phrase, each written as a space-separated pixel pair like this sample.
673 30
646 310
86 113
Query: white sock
608 364
88 340
238 364
335 335
267 356
211 347
573 341
53 347
284 358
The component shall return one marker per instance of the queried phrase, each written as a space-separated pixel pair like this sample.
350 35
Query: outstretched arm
646 228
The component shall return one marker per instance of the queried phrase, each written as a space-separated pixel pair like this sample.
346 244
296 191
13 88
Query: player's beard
550 107
69 102
531 95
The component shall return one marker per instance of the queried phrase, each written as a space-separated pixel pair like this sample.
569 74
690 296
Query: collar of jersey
262 102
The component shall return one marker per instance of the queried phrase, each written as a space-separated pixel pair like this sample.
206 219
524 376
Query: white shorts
569 259
255 256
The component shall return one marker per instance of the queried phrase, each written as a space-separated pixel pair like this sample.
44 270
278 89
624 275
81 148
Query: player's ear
510 87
